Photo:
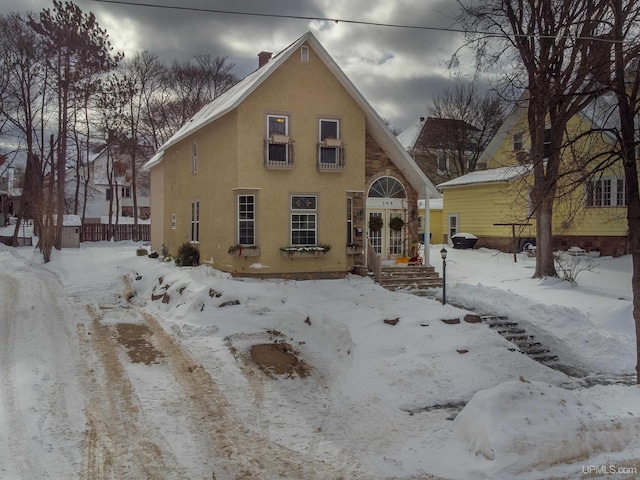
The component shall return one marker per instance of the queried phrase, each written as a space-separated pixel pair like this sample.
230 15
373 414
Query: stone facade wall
378 164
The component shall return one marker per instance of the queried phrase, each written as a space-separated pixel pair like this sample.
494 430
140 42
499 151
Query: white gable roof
232 98
493 175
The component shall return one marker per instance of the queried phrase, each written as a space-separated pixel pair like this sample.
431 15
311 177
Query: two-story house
289 173
107 179
590 212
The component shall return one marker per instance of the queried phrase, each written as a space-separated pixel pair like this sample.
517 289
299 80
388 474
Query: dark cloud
396 69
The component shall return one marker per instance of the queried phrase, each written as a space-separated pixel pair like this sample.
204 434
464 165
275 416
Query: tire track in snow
120 441
21 458
240 453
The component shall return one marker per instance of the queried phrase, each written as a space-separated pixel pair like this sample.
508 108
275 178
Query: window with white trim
195 221
304 220
547 143
194 158
518 141
247 220
349 220
126 192
278 138
606 192
329 137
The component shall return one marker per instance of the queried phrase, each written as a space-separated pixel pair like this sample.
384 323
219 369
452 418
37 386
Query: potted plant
305 251
354 249
375 224
396 223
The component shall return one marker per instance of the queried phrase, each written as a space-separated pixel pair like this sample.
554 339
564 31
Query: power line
275 15
342 20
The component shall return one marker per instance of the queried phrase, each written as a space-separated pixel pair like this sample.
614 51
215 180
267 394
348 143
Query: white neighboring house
101 193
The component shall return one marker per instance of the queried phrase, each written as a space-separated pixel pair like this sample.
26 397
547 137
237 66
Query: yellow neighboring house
281 175
493 203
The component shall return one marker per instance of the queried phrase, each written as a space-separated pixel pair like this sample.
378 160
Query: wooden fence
96 232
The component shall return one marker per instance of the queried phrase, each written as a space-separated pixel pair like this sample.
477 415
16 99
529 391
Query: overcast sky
398 70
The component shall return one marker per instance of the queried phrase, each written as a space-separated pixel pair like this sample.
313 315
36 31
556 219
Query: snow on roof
225 102
232 98
493 175
409 137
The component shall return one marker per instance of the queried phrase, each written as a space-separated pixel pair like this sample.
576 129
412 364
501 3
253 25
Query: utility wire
338 20
276 15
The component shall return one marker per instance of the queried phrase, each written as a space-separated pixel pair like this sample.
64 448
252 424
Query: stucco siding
157 208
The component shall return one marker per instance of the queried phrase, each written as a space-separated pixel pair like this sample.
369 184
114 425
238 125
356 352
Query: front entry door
388 243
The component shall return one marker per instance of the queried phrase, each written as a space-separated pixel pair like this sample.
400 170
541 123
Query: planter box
354 250
291 254
280 138
333 142
246 252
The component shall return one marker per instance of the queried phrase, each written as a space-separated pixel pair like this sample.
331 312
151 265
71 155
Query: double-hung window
278 139
195 221
547 142
126 192
518 141
349 220
304 220
247 220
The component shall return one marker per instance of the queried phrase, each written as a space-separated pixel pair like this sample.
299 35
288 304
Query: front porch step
411 278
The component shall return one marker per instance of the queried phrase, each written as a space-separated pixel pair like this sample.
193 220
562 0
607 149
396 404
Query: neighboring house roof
493 175
233 97
433 132
409 137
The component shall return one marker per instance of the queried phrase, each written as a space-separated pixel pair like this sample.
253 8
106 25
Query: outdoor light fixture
443 254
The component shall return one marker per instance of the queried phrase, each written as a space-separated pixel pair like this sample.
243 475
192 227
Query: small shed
71 225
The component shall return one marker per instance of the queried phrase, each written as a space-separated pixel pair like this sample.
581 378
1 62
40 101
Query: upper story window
330 149
547 142
443 162
194 158
304 53
518 141
278 151
126 192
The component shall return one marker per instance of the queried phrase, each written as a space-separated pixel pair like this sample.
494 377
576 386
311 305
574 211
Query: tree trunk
545 266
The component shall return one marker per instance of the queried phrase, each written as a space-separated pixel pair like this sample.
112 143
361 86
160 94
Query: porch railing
374 261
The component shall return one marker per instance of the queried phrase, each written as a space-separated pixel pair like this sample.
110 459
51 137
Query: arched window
387 187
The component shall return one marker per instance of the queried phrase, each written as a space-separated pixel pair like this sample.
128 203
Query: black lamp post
443 254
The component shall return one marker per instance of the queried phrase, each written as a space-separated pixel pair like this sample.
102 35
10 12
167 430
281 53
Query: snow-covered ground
418 399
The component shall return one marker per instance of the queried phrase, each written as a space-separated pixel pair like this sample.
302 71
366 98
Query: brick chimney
263 58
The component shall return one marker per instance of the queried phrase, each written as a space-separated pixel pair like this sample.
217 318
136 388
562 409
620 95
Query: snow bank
521 426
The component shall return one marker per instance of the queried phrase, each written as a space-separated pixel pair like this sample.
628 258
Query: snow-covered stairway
411 278
517 335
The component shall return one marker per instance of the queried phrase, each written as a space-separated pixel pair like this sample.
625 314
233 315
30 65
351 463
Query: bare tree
556 44
624 18
76 48
470 120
